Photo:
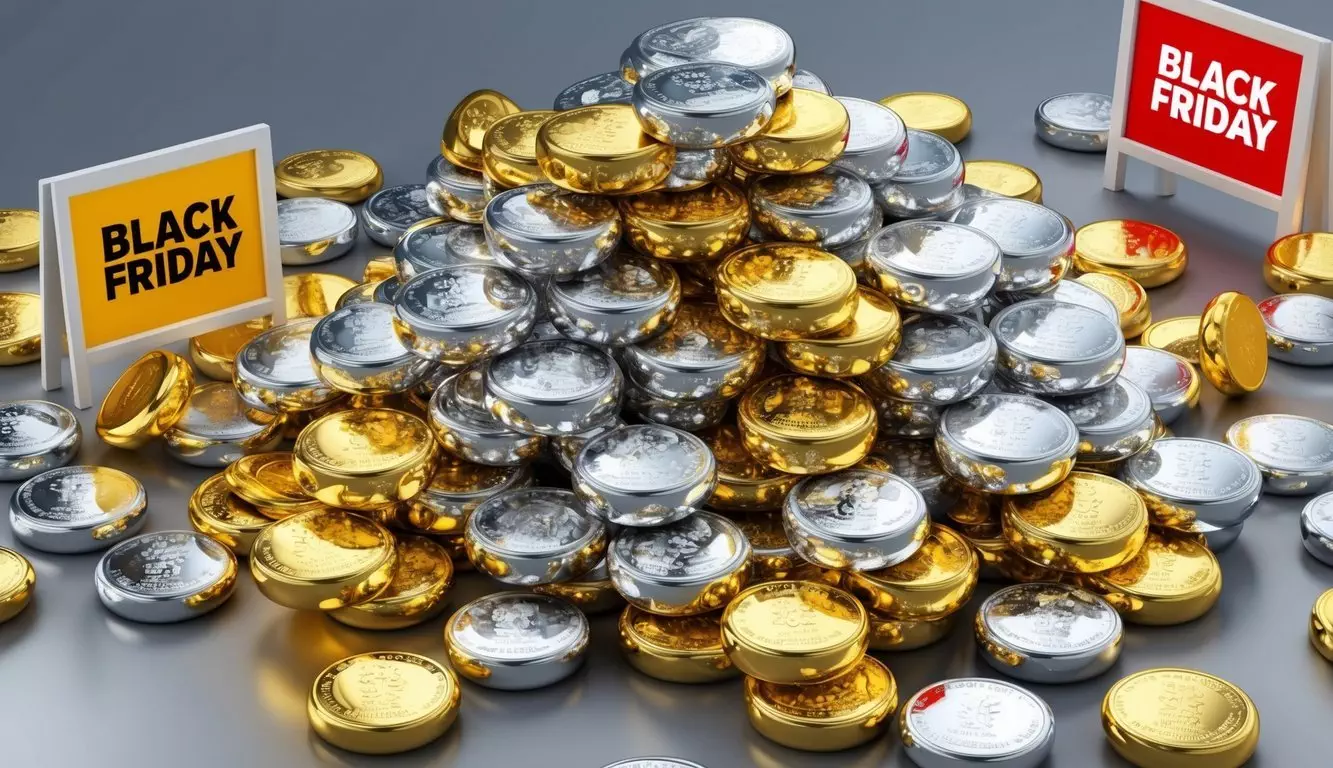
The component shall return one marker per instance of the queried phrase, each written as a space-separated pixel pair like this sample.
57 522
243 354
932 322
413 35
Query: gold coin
1086 524
1179 718
1004 178
1151 254
17 581
363 459
217 511
808 132
268 481
1173 579
909 635
313 294
931 584
863 344
1129 298
323 560
214 353
337 174
509 149
938 113
771 555
1321 625
837 714
591 597
1301 263
785 291
20 238
803 426
695 225
794 631
147 400
1233 344
602 150
678 649
1177 335
383 702
383 267
20 327
743 483
464 134
422 575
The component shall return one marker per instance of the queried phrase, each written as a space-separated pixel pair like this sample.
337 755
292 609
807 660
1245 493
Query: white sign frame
61 308
1301 183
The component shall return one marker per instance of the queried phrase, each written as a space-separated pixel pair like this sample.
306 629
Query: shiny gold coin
744 484
1129 298
383 702
591 597
863 344
17 582
509 149
380 268
1179 718
20 237
268 482
1087 524
678 649
1173 579
147 400
215 510
457 550
20 328
323 560
363 459
931 584
1301 263
1151 254
1177 335
1321 625
794 631
1004 178
214 353
695 225
1233 344
422 575
909 635
808 132
464 134
802 425
837 714
938 113
786 292
337 174
602 150
772 557
313 294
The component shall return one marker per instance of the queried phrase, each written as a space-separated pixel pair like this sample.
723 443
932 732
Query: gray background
90 82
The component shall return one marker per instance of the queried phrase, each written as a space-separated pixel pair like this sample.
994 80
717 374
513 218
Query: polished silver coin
565 449
313 230
1034 239
1171 381
35 436
1294 453
689 415
1189 480
691 566
703 104
855 519
464 313
942 359
466 244
1218 538
1048 633
389 212
275 372
1050 347
606 88
976 721
876 140
1300 328
694 168
934 266
386 290
545 330
470 387
545 230
827 208
917 462
425 247
757 45
1317 528
77 509
808 80
1074 292
623 300
644 475
905 418
218 427
166 576
1007 444
472 433
1114 422
356 350
700 356
928 183
656 762
1077 121
455 192
554 387
533 536
361 293
515 641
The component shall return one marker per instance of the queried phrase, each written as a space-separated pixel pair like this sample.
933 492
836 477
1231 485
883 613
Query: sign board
1222 97
156 248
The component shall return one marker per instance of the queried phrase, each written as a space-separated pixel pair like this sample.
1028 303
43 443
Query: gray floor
90 82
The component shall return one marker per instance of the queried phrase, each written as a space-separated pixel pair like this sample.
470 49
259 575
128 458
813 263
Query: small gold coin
1172 580
771 555
602 150
908 635
214 353
1004 178
20 328
379 268
464 134
744 484
364 459
323 560
267 481
1301 263
422 576
509 149
1180 718
785 291
808 132
930 584
1177 335
1151 254
383 702
802 425
1233 344
20 238
1087 524
1321 625
17 581
217 511
837 714
1130 299
147 400
691 226
337 174
794 631
313 294
938 113
863 344
678 649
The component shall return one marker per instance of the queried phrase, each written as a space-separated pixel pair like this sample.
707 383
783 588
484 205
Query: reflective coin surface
36 435
77 509
857 518
166 576
934 266
1171 382
313 230
389 212
744 42
606 88
1052 347
1077 121
1048 633
941 359
644 474
975 720
1300 328
1294 453
1034 239
516 640
705 104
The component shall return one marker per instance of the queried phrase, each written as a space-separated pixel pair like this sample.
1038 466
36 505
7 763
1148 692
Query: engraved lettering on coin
25 426
80 495
167 563
1192 470
978 718
1284 442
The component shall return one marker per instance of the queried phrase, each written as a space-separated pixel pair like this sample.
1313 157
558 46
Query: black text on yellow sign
201 238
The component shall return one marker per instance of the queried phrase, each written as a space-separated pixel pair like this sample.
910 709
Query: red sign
1212 97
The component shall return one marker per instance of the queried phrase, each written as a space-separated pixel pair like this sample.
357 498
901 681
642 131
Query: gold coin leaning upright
786 291
808 132
20 328
794 631
383 702
463 139
804 426
313 294
1233 344
1087 524
1004 178
1180 718
939 113
602 150
1321 625
1130 299
17 581
1151 254
20 237
147 400
1301 263
509 149
337 174
1177 335
363 459
323 560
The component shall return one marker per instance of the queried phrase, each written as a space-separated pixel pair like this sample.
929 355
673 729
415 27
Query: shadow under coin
769 754
442 751
537 703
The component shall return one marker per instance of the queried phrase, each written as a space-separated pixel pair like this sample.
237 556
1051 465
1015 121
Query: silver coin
644 475
565 449
356 350
689 415
166 576
905 418
533 536
313 230
545 230
670 569
386 290
515 641
654 762
827 208
389 212
472 433
218 427
1077 121
917 462
694 168
36 436
929 181
700 356
1171 381
750 43
623 300
1048 633
1188 480
976 721
942 359
934 266
1050 347
1114 422
553 387
458 193
1317 528
1033 238
470 388
1007 444
809 81
77 509
1300 328
606 88
703 104
275 372
1294 453
460 314
425 248
876 140
361 293
855 519
1074 292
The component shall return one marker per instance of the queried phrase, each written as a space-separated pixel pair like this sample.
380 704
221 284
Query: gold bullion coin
20 327
422 575
383 702
1087 524
772 557
268 482
1301 263
785 291
602 150
678 649
908 635
1233 344
463 138
1151 254
931 584
382 267
695 225
215 510
744 484
313 294
1172 580
1177 335
808 132
1180 718
1130 299
1321 625
804 426
337 174
837 714
17 582
20 237
363 459
794 631
863 344
509 149
938 113
1004 178
214 353
323 560
147 400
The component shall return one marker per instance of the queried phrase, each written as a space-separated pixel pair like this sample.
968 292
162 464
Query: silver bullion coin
1114 422
313 230
670 569
1171 381
654 762
1050 347
473 434
517 640
460 314
701 356
942 359
1300 328
689 415
917 462
876 140
386 290
361 293
389 212
218 427
1294 453
565 449
694 168
1317 528
1074 292
1006 443
35 436
934 266
357 350
929 181
1076 121
808 80
623 300
275 372
905 418
545 230
703 104
77 509
827 208
458 193
1048 633
976 721
554 387
855 519
1187 480
644 475
606 88
757 45
425 247
531 536
1033 238
470 387
166 576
